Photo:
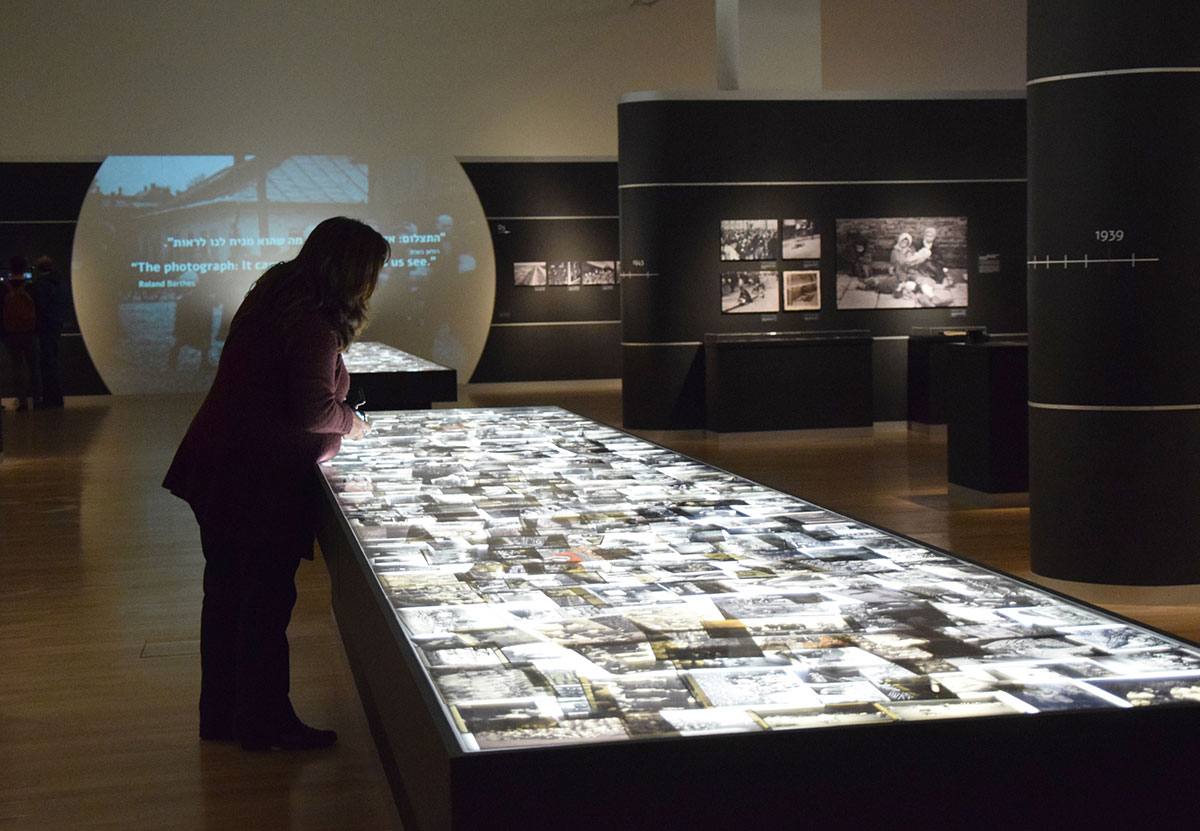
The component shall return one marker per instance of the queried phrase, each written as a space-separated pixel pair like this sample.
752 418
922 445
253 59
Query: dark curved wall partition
1114 294
542 212
686 165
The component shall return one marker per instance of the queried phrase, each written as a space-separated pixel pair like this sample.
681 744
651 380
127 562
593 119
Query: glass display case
392 379
554 583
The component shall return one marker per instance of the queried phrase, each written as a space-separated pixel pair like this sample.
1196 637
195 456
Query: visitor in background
52 311
18 323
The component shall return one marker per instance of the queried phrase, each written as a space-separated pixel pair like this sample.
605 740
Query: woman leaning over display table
276 408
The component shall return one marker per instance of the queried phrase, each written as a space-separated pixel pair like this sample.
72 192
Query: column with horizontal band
1114 290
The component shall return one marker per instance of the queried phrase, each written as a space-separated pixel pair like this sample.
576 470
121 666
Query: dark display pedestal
406 390
788 381
927 374
987 433
392 379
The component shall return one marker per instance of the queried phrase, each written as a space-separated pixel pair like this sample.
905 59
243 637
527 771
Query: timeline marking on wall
1085 261
639 274
548 218
816 183
1108 73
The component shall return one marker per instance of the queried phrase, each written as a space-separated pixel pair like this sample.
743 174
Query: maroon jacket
275 409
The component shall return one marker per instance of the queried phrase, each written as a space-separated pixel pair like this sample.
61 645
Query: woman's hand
358 428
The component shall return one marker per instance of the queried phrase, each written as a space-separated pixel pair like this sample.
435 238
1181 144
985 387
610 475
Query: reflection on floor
99 604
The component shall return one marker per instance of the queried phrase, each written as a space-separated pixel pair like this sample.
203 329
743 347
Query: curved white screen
167 246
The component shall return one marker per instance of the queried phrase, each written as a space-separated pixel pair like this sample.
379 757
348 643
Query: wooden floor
100 596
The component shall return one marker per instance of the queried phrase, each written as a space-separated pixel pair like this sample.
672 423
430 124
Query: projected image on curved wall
166 247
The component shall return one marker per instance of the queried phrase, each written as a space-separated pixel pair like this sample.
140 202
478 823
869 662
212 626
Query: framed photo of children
902 262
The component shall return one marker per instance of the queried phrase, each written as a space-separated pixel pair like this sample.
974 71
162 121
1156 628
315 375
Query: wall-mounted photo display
801 291
564 273
749 239
749 292
801 240
529 274
902 262
599 272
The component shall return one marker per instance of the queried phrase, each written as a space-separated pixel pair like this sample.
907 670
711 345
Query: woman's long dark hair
334 274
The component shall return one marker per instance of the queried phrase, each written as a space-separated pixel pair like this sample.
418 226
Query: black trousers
249 594
52 395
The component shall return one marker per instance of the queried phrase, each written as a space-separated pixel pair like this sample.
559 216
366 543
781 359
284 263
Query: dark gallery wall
39 206
546 212
827 160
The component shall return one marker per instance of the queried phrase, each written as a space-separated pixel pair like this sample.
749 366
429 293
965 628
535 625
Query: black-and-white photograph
902 262
468 657
952 708
454 594
1126 663
599 273
564 273
501 715
622 659
567 731
431 620
485 684
749 292
801 241
829 717
1049 697
529 274
709 720
1116 638
653 693
752 687
749 239
688 650
801 291
1148 692
841 692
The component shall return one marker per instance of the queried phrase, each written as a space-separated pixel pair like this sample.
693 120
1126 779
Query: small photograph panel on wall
801 240
749 239
902 262
749 292
564 273
529 274
599 272
801 291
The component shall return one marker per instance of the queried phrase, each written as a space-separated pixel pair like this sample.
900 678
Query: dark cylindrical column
1114 290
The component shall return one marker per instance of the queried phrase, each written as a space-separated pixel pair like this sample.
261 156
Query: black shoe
297 737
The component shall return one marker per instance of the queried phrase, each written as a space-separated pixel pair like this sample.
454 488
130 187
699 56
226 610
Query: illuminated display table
393 379
555 624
